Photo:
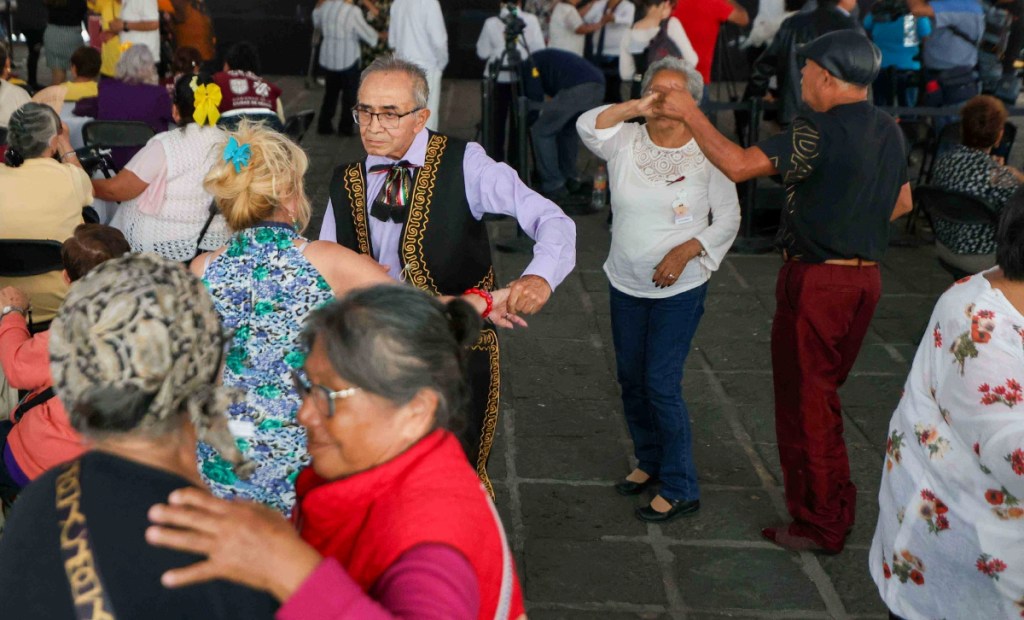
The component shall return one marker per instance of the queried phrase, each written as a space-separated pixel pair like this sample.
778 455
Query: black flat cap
846 54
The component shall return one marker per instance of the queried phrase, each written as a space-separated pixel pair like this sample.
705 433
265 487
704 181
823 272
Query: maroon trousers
822 314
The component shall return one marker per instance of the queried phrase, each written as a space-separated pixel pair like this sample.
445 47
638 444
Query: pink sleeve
150 165
428 581
25 359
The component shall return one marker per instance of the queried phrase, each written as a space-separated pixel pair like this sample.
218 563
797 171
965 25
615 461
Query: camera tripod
510 62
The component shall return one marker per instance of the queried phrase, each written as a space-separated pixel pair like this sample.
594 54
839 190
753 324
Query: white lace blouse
660 198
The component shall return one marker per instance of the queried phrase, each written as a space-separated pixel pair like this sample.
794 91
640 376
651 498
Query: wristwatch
124 27
9 309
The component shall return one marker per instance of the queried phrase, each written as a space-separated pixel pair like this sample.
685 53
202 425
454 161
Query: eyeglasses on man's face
388 119
307 389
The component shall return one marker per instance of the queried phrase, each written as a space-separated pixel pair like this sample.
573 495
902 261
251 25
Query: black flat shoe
679 508
628 487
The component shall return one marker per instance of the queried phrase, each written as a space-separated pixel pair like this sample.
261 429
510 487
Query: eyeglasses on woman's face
307 389
388 119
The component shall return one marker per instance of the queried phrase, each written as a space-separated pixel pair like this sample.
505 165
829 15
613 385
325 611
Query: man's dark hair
1010 237
982 120
90 245
394 341
87 62
243 56
794 5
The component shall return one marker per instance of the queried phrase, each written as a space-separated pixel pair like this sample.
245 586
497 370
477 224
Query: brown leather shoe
780 536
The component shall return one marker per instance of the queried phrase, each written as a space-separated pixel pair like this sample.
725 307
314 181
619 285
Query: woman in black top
63 35
135 354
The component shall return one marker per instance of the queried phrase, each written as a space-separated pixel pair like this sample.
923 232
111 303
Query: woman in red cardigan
393 520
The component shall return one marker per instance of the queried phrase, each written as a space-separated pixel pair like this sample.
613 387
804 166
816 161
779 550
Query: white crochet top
172 231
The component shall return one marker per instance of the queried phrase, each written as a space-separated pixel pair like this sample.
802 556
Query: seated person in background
85 70
246 94
141 402
164 204
43 190
186 61
12 97
970 168
134 95
38 434
656 35
898 33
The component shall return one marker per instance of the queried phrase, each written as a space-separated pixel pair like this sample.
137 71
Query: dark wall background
281 28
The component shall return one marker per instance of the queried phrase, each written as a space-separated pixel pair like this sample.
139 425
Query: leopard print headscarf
140 333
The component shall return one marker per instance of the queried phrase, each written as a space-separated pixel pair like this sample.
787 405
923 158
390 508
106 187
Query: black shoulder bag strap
90 597
27 404
963 35
206 227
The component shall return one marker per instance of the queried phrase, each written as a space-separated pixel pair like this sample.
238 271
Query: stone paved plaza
563 442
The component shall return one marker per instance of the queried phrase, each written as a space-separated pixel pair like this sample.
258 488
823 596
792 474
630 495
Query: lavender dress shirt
491 187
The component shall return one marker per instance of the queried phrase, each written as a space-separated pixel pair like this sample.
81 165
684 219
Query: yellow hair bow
207 100
125 46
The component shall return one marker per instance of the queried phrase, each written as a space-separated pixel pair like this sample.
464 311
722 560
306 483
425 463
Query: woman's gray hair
390 63
137 66
31 128
694 80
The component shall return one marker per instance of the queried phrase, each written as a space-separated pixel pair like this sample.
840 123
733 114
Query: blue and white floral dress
263 288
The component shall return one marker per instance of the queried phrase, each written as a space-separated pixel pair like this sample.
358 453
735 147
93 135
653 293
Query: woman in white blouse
676 216
950 536
164 207
634 47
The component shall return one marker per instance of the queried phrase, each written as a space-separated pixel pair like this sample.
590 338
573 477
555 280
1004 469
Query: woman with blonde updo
264 283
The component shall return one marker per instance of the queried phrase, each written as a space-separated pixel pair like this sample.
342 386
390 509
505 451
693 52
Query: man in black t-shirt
843 164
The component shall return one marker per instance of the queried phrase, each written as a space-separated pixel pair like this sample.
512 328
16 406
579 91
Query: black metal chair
22 258
112 134
954 208
296 125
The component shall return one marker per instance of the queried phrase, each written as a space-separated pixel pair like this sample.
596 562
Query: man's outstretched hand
674 99
528 294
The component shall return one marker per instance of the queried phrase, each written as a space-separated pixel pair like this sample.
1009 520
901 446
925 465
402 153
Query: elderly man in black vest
415 204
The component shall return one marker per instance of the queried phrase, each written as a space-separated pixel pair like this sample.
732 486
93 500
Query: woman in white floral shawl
950 536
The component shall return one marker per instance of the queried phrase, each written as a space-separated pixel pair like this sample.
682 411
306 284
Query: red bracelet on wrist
487 297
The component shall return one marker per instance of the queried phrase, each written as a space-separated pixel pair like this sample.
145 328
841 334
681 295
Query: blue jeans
652 339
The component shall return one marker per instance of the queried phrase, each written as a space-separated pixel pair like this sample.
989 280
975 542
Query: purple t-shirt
147 103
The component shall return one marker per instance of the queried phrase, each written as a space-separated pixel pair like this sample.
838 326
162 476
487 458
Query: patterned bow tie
392 203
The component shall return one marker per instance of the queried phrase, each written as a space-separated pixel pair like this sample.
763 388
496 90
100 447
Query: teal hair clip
237 154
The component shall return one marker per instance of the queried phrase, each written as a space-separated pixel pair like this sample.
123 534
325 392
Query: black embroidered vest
443 248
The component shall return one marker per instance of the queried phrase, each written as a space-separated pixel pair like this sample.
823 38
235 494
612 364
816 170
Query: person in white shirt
949 542
634 53
417 34
490 46
567 30
12 96
607 42
342 24
663 252
139 25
